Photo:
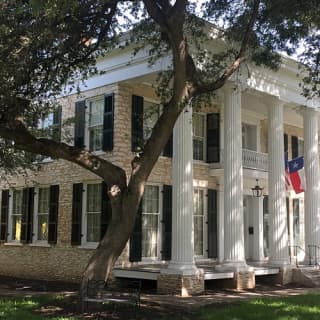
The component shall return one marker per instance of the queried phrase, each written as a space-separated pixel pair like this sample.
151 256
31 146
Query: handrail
316 248
297 248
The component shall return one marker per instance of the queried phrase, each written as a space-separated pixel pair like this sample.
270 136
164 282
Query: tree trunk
114 241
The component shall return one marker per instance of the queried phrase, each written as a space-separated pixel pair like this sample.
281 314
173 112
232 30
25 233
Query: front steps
307 275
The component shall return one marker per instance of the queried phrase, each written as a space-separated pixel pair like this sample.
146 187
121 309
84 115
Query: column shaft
233 180
182 202
277 193
311 164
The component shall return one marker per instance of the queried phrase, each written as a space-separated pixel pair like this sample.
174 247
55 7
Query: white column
234 257
257 210
221 221
182 260
277 193
311 165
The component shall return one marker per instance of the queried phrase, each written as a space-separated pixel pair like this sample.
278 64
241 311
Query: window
93 212
198 221
151 114
42 214
150 222
198 127
300 147
95 124
249 136
16 216
296 222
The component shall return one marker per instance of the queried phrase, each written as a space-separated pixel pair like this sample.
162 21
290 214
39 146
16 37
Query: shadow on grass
26 308
302 307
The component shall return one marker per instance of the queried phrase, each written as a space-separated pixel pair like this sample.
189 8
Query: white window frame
204 115
84 222
35 240
205 223
257 137
88 101
160 225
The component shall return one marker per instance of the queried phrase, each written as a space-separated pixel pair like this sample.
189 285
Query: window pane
43 227
150 221
96 112
95 138
149 235
93 212
93 227
16 227
16 214
151 113
43 205
198 220
198 136
43 213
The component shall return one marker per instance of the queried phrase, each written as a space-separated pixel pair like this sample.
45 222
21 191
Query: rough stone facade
183 285
241 280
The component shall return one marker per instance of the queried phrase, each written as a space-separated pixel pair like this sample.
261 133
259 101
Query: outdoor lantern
257 190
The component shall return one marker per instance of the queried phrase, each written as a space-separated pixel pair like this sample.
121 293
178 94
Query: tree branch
24 140
206 88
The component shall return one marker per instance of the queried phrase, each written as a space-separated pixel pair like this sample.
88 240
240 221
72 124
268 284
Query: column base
181 269
179 284
284 277
234 266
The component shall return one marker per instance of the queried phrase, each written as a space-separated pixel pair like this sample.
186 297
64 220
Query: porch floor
152 270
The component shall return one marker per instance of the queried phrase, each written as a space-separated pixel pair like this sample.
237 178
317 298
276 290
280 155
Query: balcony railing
250 160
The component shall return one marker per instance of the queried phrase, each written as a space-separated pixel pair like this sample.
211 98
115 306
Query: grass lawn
30 308
302 307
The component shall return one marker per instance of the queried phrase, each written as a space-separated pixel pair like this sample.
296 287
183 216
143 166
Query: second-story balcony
250 160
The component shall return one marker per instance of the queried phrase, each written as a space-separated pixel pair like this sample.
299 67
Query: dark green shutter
213 137
136 238
212 224
53 214
168 149
106 211
27 215
79 126
4 215
285 142
56 125
108 123
137 124
166 222
76 213
294 147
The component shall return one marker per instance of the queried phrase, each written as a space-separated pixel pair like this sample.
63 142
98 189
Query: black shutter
4 215
53 214
285 142
27 215
106 211
166 222
136 238
168 149
294 147
137 124
212 224
213 137
76 213
79 126
56 125
108 123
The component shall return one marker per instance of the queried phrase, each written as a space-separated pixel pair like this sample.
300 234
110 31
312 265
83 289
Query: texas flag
296 172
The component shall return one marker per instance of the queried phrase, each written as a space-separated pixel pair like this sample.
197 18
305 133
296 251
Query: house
199 220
